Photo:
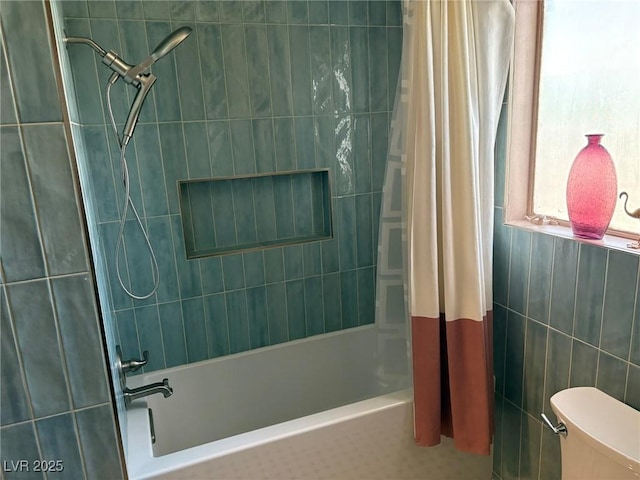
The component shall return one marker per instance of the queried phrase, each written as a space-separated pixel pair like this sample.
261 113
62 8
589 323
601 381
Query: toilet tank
603 435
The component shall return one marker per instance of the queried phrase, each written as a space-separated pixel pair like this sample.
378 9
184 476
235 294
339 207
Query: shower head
135 75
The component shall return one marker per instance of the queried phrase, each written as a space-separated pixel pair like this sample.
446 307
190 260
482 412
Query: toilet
603 435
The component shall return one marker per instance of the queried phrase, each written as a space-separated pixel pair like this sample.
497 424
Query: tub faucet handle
134 364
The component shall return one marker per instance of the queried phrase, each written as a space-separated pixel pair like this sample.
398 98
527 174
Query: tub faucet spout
163 387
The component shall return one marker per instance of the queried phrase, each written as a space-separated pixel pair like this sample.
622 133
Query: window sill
608 241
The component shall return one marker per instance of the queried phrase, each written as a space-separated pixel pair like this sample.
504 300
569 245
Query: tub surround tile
195 331
632 394
349 298
297 12
58 440
100 458
331 294
277 313
214 85
8 112
238 321
314 307
19 442
295 309
257 317
150 336
258 69
175 350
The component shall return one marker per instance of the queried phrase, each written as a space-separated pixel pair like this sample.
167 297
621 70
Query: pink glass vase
591 190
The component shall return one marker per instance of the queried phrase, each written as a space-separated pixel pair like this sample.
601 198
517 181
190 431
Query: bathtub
313 408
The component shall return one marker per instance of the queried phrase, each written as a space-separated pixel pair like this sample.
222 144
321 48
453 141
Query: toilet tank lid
609 423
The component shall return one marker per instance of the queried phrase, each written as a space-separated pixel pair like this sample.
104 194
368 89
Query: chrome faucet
163 387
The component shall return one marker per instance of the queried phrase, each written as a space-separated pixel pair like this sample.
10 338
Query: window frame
522 130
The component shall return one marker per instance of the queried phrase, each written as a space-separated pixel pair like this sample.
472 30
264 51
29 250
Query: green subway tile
279 70
174 161
321 69
73 8
612 374
360 68
632 394
108 234
295 309
36 331
258 70
584 365
219 136
195 137
338 12
129 10
194 328
364 228
634 356
151 173
379 143
264 149
244 161
74 299
501 254
277 313
212 278
379 85
551 467
362 153
189 277
201 215
540 277
102 8
15 406
314 309
97 437
265 208
346 232
342 84
21 250
58 440
216 324
617 317
284 144
302 187
257 317
245 213
330 256
358 13
497 436
589 293
519 270
150 336
238 321
213 74
305 153
19 443
8 112
511 433
156 10
366 296
297 12
127 334
182 11
273 265
349 298
233 272
312 258
377 12
331 295
394 46
175 349
207 11
300 70
535 348
394 13
253 11
564 285
530 446
27 44
283 195
499 345
253 269
343 160
231 11
514 357
275 11
235 71
557 377
293 262
500 152
318 12
223 214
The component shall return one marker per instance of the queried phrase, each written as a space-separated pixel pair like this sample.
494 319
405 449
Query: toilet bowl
603 435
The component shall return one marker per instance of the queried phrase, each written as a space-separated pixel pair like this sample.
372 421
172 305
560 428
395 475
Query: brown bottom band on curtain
453 381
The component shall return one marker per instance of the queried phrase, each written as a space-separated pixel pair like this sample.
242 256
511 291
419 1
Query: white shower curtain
440 216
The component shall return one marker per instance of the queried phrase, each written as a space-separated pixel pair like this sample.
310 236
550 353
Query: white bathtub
308 409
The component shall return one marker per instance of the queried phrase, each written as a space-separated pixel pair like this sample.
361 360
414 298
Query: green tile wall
566 314
54 392
259 87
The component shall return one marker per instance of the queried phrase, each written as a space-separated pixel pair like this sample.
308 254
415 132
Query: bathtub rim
141 464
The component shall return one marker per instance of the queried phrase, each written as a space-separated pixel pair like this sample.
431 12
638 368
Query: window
576 71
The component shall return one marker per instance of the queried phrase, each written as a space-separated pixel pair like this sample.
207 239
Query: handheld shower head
170 42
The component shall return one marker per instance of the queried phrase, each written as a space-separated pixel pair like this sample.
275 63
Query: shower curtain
437 218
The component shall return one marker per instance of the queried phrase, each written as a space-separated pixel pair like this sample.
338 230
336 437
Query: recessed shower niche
231 214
